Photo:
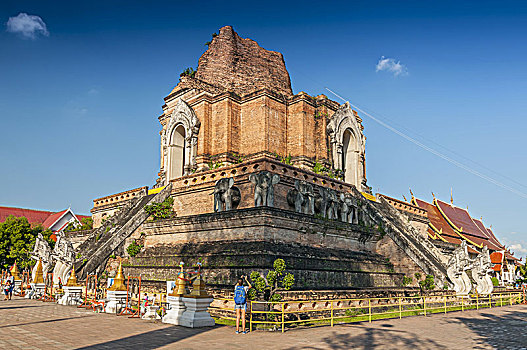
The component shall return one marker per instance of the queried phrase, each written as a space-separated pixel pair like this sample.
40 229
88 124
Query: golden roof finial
14 272
39 274
72 281
406 200
118 281
433 195
451 197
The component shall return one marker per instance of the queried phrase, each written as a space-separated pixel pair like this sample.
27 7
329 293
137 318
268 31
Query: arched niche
179 142
176 153
348 146
350 157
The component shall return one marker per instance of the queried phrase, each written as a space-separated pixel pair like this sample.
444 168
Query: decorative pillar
16 277
116 294
38 285
72 291
175 300
197 303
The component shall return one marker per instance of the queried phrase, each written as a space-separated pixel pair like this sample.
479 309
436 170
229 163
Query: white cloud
518 249
28 26
390 65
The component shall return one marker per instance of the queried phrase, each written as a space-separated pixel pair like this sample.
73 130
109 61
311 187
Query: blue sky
79 100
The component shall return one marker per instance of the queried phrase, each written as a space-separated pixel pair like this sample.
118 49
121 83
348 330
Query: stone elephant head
347 209
302 197
226 196
326 203
264 188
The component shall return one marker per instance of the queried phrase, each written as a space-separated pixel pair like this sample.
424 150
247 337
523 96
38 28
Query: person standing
240 301
10 285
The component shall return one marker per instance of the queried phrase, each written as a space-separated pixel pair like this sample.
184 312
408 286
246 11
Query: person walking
240 301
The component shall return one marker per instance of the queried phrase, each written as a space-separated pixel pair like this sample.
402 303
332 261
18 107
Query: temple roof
452 224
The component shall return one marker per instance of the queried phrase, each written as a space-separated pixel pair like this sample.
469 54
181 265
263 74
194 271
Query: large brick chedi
240 103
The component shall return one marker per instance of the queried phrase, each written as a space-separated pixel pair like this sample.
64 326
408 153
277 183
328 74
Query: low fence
290 314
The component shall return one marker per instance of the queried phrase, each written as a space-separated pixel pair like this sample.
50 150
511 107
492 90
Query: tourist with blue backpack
240 302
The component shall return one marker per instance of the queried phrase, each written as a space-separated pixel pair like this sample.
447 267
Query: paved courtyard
30 324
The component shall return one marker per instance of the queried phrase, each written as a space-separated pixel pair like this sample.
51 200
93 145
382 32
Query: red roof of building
33 216
45 218
453 224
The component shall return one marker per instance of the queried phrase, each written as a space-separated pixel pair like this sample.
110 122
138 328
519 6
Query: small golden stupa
39 275
181 284
14 272
72 281
118 281
198 288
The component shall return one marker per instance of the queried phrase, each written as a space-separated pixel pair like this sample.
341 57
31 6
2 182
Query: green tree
522 271
17 238
267 287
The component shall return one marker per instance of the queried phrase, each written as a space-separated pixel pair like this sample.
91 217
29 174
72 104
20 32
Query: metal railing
290 314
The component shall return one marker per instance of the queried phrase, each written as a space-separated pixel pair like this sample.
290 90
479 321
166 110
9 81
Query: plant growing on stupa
266 287
133 249
188 72
161 210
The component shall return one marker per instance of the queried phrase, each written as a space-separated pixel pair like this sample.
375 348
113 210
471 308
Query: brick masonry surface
30 324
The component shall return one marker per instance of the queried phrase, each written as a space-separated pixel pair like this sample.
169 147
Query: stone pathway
30 324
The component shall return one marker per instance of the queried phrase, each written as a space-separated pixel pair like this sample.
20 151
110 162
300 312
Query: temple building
252 172
55 221
447 225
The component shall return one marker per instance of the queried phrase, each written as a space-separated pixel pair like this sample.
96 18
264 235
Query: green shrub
133 249
161 210
407 280
495 281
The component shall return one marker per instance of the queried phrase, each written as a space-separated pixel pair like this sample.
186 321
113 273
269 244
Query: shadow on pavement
374 338
152 340
505 330
43 321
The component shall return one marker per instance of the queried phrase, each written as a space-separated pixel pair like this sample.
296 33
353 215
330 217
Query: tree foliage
522 271
161 210
266 287
17 238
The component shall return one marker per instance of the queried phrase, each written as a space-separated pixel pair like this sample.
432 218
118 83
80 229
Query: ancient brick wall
242 66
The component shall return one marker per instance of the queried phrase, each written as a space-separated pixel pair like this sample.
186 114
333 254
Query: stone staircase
98 247
427 256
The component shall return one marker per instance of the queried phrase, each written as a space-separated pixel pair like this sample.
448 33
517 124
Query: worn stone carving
456 270
326 203
264 188
64 256
302 197
42 250
226 195
348 210
481 269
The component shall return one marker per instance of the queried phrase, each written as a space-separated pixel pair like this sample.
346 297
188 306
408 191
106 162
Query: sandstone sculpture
302 198
264 188
226 196
347 209
327 203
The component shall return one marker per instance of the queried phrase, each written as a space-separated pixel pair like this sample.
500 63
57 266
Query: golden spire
14 272
118 281
72 281
39 274
181 283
